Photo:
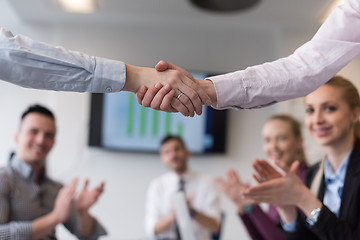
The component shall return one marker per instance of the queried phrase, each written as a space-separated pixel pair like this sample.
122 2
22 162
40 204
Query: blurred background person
332 204
282 144
32 204
202 198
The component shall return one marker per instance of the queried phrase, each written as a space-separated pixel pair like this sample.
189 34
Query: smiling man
31 204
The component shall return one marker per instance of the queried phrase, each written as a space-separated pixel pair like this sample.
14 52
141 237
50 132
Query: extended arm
311 65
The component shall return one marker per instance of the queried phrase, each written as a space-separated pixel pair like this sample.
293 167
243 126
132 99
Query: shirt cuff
289 227
110 76
229 89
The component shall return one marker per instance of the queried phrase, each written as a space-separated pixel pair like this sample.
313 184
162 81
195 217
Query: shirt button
108 89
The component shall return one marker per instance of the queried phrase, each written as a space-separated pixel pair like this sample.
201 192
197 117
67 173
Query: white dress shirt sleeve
38 65
335 44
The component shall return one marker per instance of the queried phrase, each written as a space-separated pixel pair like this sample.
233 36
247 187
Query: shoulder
159 181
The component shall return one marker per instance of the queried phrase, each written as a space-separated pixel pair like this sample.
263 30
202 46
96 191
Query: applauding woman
332 206
282 143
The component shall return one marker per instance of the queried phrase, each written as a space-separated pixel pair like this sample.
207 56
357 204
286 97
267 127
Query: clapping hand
232 187
87 198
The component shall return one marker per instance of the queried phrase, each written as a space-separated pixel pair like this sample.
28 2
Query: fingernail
208 102
158 85
167 87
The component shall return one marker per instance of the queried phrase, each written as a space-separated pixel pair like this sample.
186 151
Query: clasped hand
180 93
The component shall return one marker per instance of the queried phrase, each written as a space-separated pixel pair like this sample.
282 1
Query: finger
86 185
295 167
191 82
188 104
158 98
266 169
234 177
150 94
190 98
257 179
201 93
166 102
100 188
140 94
176 104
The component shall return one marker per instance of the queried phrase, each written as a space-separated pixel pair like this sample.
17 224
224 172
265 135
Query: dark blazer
328 226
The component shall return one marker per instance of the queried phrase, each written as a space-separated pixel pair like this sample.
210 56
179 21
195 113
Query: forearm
311 65
207 222
307 201
33 64
44 225
164 223
85 223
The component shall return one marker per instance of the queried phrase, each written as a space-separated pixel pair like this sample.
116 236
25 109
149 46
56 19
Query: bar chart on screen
128 125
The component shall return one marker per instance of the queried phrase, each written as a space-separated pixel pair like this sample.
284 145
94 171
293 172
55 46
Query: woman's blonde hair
350 95
295 126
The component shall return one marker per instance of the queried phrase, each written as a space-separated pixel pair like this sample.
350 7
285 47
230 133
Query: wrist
308 203
133 78
54 219
209 88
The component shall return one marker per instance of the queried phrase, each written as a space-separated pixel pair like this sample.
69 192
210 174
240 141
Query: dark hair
38 109
169 138
295 126
350 95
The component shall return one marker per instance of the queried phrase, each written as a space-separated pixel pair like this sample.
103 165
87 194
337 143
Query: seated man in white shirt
202 197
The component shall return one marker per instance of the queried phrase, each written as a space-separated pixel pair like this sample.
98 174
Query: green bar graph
155 123
142 121
180 130
130 115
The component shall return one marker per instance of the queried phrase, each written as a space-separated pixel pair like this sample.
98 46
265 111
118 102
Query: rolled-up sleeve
32 64
334 45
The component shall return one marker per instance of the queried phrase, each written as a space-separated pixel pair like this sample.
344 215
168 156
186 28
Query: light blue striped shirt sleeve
38 65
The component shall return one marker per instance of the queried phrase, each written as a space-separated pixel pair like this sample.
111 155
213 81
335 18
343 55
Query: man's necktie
181 188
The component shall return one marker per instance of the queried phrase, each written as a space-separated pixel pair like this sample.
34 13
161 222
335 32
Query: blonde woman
331 204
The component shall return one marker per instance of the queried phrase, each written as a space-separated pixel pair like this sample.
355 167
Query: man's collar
24 169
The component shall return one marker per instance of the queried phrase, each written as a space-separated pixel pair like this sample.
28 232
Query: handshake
170 89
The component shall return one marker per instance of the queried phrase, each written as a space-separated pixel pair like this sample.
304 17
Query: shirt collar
340 173
185 176
22 168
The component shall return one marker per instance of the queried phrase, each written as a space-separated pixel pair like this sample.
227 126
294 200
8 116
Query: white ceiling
282 13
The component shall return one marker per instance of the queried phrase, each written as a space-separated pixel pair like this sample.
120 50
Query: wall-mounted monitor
118 122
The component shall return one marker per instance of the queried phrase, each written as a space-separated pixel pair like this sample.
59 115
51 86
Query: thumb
163 65
295 167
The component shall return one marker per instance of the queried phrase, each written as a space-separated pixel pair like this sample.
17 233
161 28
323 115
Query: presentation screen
118 122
